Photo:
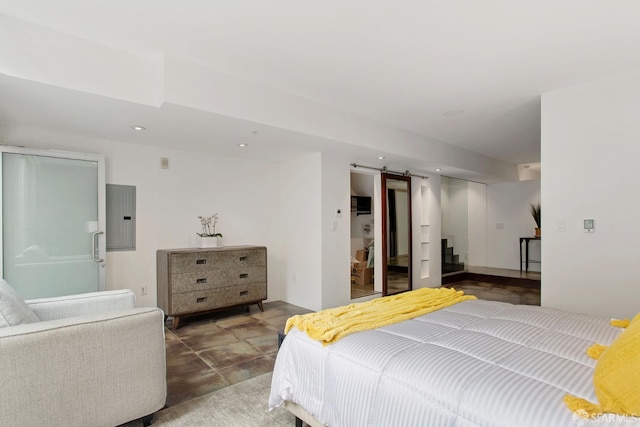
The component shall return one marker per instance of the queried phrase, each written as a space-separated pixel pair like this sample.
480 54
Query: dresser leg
260 306
176 322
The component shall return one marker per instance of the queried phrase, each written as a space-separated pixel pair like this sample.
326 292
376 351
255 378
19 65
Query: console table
526 241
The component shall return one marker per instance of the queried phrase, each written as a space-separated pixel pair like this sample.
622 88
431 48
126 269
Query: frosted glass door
50 225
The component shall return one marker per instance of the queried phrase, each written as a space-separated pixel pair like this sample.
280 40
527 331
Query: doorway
53 217
362 235
454 201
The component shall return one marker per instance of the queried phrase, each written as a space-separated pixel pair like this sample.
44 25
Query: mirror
396 234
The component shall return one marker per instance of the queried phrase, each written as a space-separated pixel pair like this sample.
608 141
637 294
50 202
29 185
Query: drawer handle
201 261
201 299
244 275
244 258
201 280
244 293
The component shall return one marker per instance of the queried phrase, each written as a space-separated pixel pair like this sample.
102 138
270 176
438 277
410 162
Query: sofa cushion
13 310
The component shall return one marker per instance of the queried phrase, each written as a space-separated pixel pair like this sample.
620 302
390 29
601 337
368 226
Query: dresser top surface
216 249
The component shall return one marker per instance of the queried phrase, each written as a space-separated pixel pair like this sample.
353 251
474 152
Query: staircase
450 261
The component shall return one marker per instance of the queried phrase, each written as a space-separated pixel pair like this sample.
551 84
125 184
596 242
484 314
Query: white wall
335 231
169 202
477 224
508 207
590 150
299 214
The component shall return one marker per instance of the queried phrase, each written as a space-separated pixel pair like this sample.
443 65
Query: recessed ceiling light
381 157
138 128
243 145
438 170
453 113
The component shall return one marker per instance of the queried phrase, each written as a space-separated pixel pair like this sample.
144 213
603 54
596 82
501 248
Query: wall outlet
143 290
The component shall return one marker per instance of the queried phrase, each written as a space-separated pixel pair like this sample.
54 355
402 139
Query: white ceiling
403 63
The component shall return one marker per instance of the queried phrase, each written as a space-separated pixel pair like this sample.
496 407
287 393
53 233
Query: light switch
561 226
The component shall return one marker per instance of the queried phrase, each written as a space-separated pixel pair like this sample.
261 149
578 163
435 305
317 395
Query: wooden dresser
195 280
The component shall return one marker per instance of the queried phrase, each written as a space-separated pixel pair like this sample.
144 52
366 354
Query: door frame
100 160
383 223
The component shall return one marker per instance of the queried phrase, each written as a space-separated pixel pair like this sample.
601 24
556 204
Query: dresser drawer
220 260
242 276
195 261
192 302
189 282
243 258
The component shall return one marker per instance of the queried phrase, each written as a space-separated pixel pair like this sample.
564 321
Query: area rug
239 405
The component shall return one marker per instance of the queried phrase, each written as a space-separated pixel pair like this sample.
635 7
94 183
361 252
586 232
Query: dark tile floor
496 292
503 272
214 351
211 352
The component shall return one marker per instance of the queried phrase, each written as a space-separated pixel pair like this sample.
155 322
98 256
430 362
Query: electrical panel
121 217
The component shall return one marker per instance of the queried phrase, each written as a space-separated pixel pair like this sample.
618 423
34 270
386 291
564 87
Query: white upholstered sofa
83 360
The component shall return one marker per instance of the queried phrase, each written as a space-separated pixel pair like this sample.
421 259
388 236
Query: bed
475 363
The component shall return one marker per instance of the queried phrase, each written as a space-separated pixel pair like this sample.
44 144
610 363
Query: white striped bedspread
476 363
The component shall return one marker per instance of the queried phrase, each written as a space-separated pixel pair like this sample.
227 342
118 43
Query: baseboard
501 280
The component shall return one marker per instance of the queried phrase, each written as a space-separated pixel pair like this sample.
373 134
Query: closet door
396 234
52 222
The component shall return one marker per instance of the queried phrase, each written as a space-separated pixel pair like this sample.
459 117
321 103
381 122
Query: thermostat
589 226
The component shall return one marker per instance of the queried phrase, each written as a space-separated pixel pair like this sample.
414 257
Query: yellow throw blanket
328 326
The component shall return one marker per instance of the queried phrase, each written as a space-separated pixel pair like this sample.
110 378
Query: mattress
476 363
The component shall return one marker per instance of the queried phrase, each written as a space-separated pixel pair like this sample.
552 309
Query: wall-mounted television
361 205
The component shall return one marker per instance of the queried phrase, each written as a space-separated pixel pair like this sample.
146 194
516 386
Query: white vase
209 242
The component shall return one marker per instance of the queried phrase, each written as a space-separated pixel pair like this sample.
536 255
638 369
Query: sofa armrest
99 370
82 304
